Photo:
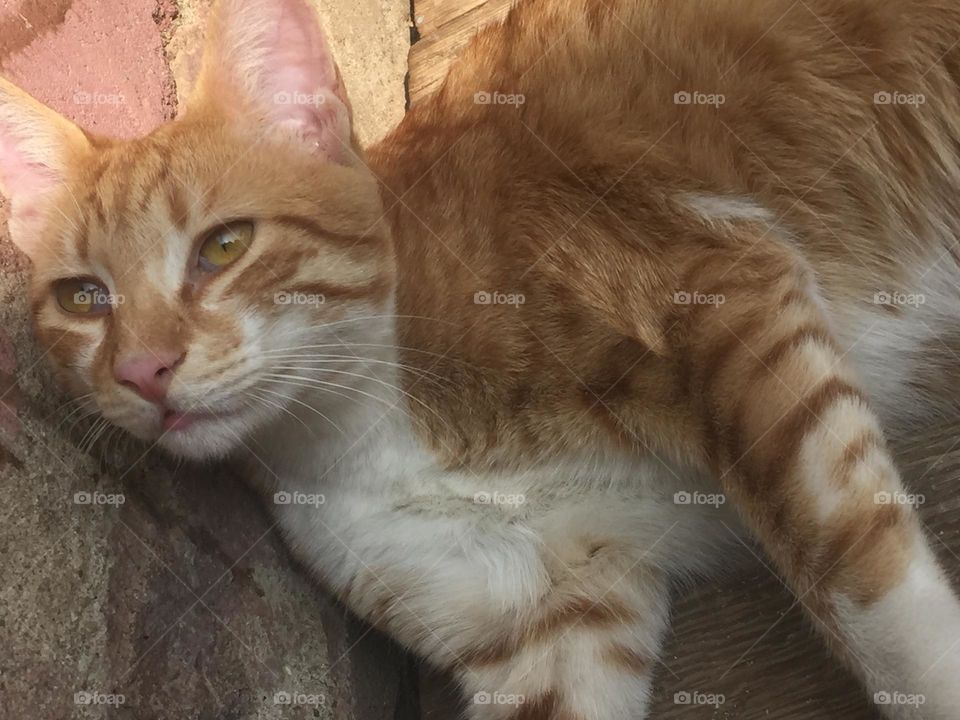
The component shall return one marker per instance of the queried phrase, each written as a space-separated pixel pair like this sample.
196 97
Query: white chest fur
380 511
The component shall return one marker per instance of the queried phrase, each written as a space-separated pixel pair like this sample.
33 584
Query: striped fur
566 342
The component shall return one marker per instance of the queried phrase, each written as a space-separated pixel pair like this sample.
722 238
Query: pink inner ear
299 49
28 186
299 78
21 179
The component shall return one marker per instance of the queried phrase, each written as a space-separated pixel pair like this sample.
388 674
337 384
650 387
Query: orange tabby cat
496 373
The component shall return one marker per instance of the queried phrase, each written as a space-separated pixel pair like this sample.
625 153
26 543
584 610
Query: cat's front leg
583 655
534 621
791 434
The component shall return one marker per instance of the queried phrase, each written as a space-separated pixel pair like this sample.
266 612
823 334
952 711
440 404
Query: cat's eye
224 245
82 296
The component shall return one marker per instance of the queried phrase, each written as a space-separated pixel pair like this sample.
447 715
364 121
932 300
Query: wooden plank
445 27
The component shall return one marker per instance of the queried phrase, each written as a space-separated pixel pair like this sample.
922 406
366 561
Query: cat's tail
790 432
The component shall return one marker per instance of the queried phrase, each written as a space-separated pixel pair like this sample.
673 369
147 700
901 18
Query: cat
640 277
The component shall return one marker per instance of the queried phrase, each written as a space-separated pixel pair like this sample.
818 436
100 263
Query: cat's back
841 110
580 134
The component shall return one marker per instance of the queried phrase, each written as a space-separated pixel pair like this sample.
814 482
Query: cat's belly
405 550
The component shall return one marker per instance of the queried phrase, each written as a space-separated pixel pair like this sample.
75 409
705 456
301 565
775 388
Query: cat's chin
194 447
204 440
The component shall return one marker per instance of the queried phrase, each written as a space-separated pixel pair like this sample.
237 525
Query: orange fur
586 200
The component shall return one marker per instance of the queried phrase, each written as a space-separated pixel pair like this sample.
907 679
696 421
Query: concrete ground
178 602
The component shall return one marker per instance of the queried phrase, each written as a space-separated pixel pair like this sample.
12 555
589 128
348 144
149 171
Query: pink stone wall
101 64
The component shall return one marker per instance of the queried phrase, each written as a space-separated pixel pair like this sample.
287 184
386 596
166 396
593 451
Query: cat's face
188 262
173 274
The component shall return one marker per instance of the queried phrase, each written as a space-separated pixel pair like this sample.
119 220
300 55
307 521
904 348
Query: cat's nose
148 374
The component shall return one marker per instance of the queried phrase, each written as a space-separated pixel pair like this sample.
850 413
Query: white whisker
329 358
299 402
308 382
372 379
349 345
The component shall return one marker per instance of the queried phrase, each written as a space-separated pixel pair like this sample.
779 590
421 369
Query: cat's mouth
198 433
175 420
191 428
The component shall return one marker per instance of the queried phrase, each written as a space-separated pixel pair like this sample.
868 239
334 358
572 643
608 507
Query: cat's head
172 273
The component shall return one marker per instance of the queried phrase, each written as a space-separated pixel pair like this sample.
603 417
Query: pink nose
148 374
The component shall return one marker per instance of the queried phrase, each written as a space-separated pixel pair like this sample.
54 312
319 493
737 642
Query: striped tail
790 432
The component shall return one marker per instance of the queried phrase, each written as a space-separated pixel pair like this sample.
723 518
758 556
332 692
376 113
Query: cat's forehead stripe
94 201
158 178
178 206
81 243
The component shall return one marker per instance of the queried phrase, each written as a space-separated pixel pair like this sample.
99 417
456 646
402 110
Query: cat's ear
37 149
268 62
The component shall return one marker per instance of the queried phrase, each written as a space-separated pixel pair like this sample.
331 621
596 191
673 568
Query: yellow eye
224 245
83 297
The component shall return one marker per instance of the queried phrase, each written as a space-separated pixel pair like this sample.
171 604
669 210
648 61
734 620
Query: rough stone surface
182 599
102 64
